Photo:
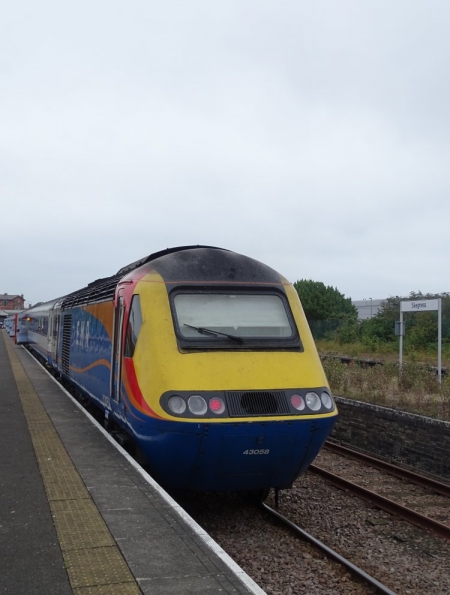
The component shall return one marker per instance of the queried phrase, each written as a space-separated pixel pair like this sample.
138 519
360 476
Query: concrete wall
400 437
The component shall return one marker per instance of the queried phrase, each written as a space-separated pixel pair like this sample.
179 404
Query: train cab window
231 319
134 326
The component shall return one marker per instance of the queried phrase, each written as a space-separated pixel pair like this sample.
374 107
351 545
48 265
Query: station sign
419 305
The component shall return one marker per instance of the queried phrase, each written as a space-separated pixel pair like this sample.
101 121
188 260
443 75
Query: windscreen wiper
206 331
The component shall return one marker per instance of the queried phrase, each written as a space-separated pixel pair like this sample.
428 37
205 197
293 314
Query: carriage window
134 326
241 315
56 327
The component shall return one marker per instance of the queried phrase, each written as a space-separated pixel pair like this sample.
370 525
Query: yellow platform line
93 561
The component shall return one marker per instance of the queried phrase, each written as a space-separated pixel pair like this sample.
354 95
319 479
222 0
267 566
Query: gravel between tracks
418 498
408 560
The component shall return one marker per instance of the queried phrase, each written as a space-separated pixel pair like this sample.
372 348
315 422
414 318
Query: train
12 324
199 357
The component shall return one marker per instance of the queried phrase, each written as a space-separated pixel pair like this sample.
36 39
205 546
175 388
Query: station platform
78 515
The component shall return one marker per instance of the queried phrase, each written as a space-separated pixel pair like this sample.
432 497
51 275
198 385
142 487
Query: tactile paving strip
94 563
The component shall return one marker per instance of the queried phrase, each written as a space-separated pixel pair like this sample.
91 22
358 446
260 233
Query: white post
440 340
401 340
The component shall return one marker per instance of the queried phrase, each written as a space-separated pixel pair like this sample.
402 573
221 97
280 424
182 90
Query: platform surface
78 515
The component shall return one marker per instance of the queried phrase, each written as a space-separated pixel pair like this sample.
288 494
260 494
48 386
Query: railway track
280 556
437 494
355 570
361 539
415 498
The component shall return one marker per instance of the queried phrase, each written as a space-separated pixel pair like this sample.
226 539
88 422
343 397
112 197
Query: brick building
11 302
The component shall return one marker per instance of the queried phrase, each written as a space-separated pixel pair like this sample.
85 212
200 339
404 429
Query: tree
322 302
328 311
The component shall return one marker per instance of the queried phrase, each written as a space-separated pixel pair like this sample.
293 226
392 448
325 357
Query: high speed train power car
204 358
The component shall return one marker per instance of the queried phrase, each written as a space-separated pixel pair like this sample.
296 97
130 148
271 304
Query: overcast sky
313 136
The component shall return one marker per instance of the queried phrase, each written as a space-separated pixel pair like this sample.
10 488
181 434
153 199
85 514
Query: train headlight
313 401
327 401
216 405
298 402
197 405
177 405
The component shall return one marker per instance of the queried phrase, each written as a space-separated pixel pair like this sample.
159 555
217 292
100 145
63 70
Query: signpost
422 306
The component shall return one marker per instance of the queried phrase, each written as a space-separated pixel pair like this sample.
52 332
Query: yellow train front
221 382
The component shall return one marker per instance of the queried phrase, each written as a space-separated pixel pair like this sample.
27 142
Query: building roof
7 296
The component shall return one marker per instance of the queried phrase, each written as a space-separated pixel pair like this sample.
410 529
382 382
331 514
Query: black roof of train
180 264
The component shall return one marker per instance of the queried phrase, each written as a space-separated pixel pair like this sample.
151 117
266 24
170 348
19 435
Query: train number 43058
256 451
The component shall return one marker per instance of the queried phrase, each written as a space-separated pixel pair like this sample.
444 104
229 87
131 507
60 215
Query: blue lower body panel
232 456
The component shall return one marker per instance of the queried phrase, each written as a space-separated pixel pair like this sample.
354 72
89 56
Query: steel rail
331 553
417 478
406 514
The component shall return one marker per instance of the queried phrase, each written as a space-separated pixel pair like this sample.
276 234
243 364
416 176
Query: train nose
252 456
